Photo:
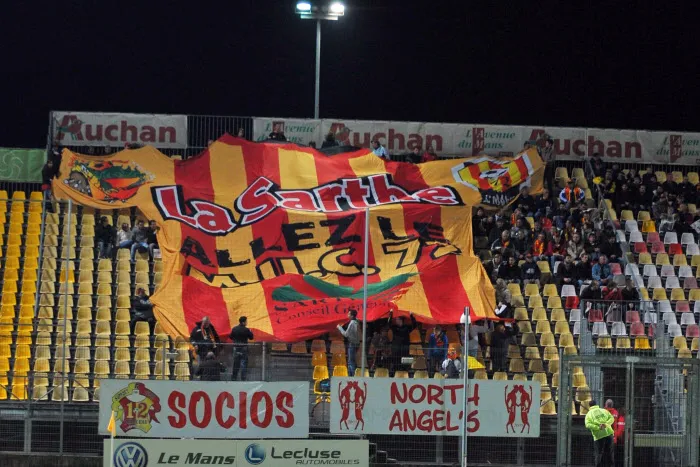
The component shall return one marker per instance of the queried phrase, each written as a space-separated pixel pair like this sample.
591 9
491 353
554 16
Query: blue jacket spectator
601 270
438 345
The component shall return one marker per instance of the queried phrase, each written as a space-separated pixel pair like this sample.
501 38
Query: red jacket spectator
619 428
429 156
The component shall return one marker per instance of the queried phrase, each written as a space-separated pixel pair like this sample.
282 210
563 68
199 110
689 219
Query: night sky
620 64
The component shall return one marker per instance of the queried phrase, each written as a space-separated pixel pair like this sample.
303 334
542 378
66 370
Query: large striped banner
275 232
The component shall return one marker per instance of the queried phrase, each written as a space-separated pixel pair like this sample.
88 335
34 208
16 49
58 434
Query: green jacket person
599 421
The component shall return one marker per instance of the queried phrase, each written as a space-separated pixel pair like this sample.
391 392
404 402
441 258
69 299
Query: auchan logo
392 139
70 129
592 144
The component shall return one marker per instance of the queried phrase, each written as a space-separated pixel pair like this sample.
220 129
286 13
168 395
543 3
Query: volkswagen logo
255 454
130 455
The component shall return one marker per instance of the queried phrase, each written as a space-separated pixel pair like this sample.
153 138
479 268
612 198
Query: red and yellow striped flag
275 232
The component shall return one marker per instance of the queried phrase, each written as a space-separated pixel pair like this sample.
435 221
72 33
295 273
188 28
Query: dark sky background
617 64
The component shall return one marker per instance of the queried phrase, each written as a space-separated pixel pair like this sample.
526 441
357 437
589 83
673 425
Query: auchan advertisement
472 139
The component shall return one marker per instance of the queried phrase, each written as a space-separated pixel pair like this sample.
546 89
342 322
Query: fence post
66 276
263 376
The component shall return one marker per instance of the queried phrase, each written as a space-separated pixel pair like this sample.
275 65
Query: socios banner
675 147
434 407
276 232
261 453
116 129
165 409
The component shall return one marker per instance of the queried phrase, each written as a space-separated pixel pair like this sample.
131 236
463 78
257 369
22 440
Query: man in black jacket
500 339
210 369
142 310
204 338
492 266
240 335
510 271
401 339
105 235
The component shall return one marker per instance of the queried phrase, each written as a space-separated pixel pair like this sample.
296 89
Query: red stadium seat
632 316
653 237
675 249
692 331
657 247
640 247
572 302
637 329
615 269
595 316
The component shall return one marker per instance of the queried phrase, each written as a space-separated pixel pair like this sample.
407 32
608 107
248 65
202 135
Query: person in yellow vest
599 421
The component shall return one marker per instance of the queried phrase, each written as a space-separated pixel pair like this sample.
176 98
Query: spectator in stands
401 342
592 247
530 271
583 270
541 248
599 422
510 272
558 249
124 236
598 165
601 271
352 333
630 293
142 310
497 230
670 186
566 272
381 348
451 365
549 159
487 224
240 335
241 133
209 369
437 349
611 249
379 150
571 195
501 292
492 266
500 340
526 202
521 243
521 224
330 141
624 198
139 239
152 237
504 245
592 292
429 155
105 234
643 200
477 226
414 156
277 133
544 205
204 338
575 247
48 172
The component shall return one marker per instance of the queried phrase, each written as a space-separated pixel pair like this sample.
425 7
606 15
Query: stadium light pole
319 11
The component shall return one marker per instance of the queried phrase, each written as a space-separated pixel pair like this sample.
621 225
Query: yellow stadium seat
543 327
566 339
535 301
142 370
561 327
550 353
520 314
514 289
122 370
677 294
680 260
662 259
539 314
659 294
101 369
604 342
516 365
531 290
500 376
80 394
182 371
381 373
648 226
558 314
641 343
550 290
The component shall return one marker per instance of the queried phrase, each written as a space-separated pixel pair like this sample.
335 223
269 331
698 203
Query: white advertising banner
177 409
434 407
261 453
463 140
115 129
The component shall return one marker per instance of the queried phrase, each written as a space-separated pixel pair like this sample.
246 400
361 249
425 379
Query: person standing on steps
240 335
352 333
